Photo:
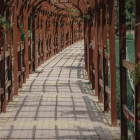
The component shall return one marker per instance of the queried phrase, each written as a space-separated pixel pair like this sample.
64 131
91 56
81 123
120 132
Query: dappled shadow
57 104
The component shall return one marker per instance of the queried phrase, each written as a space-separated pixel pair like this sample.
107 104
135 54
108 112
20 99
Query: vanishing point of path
57 103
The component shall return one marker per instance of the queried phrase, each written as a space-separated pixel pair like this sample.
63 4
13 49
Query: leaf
87 16
23 37
21 25
138 105
4 23
132 74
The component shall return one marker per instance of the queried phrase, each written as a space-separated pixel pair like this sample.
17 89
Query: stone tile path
58 104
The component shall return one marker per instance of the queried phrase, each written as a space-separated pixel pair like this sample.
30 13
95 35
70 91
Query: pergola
49 26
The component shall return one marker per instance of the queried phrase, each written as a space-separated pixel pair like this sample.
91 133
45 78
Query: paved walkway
57 104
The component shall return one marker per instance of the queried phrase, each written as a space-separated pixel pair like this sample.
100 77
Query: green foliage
54 2
21 30
4 23
116 19
138 106
22 34
53 11
74 12
130 15
80 19
88 5
71 10
74 15
21 25
86 15
135 74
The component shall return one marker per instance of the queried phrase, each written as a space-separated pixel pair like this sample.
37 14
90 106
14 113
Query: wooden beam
128 114
34 45
99 46
1 91
51 32
123 87
101 83
106 55
39 39
26 56
112 62
105 62
2 62
15 44
96 51
44 39
128 65
8 84
9 59
58 32
108 91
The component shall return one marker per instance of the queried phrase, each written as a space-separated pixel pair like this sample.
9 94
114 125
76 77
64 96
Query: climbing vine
4 23
22 34
54 2
86 15
135 75
74 12
53 11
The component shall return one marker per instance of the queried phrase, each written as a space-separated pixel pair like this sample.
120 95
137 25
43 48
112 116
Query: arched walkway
57 103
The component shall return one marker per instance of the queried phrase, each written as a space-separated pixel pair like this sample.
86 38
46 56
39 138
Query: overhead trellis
42 28
35 31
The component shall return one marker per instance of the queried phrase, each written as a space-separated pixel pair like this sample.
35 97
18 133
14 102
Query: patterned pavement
58 104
